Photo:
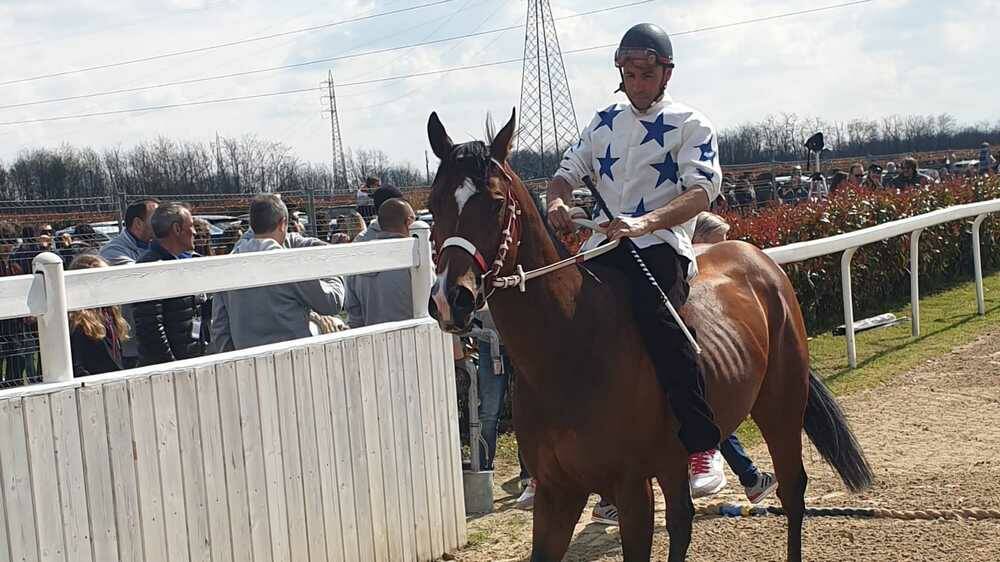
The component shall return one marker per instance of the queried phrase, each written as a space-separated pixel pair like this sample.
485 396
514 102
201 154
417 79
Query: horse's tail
828 430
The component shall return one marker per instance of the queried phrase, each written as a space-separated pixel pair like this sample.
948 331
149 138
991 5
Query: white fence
340 447
850 242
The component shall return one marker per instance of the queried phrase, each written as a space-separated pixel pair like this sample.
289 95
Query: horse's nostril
463 302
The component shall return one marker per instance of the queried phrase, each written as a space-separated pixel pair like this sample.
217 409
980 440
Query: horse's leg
680 509
556 513
634 500
779 422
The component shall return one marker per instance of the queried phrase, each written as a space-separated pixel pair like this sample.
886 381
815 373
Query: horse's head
475 222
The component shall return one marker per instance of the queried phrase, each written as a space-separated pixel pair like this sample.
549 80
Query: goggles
649 56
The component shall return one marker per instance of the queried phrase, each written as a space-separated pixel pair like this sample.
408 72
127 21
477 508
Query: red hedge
880 271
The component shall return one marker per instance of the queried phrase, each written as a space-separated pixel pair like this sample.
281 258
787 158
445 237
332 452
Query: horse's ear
440 141
500 147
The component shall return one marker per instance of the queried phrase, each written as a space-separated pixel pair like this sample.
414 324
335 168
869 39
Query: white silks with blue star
639 161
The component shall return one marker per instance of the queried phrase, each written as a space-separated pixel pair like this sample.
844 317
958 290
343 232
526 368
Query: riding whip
642 265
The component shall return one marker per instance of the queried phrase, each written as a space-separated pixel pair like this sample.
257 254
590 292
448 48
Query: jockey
655 165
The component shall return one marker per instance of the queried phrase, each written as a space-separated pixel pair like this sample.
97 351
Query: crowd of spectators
159 331
747 192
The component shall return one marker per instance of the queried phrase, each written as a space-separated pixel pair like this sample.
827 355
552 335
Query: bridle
510 237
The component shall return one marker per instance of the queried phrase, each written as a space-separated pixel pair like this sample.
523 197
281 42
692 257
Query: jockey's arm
678 210
557 195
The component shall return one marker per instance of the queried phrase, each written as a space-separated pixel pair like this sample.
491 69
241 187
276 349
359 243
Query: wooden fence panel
72 484
342 448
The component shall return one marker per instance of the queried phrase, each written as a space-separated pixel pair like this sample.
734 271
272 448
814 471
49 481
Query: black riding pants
677 367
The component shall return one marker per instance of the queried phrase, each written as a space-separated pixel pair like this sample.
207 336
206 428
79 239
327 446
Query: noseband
510 237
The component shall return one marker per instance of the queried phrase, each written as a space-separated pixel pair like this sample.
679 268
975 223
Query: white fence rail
335 448
51 293
850 242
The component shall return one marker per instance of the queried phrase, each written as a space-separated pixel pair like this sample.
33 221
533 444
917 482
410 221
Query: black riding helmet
646 40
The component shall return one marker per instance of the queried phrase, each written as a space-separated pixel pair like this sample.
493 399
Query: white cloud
891 56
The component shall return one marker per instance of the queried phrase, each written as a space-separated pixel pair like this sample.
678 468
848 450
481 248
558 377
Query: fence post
122 207
915 282
311 209
53 325
845 285
422 274
977 263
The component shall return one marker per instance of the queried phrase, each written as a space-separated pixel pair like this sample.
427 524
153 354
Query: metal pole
977 262
311 209
845 285
475 429
915 282
422 274
53 325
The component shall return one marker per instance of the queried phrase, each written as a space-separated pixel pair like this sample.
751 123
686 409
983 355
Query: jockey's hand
559 217
626 227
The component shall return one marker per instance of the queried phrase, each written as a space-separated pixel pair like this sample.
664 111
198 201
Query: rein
511 237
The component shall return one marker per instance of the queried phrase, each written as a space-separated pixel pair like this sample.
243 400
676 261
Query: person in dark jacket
909 176
96 334
164 328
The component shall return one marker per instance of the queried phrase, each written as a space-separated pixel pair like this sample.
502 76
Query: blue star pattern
706 174
655 130
707 154
608 118
640 209
667 170
607 163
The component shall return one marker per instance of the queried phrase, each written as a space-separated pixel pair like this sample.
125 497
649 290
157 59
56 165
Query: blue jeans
736 456
492 393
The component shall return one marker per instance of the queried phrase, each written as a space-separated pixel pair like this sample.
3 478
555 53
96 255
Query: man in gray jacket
383 296
276 313
126 249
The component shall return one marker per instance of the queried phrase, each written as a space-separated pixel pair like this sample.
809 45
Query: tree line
169 167
250 164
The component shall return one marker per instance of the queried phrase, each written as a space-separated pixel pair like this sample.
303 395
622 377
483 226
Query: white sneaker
527 499
762 488
705 473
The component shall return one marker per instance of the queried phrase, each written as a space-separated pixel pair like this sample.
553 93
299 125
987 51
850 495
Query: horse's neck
528 320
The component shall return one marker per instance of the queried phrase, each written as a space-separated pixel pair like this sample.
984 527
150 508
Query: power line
304 63
412 75
223 45
159 107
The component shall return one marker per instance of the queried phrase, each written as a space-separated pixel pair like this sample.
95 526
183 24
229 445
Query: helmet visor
649 56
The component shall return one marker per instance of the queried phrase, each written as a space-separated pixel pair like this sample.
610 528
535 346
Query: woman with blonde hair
352 225
96 334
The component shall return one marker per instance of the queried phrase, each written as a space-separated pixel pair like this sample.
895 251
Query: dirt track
932 437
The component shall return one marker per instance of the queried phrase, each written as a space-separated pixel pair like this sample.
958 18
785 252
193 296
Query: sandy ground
932 437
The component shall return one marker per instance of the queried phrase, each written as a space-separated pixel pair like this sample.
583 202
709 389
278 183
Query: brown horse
590 415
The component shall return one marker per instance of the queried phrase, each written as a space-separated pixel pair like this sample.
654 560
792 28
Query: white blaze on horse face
440 298
464 193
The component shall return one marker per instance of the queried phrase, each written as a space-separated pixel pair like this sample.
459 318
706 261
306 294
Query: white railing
850 242
51 293
337 447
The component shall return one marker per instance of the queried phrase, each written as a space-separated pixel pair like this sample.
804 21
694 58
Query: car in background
962 167
104 232
425 216
217 224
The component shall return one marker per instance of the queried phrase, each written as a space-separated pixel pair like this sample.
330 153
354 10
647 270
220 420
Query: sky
868 60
